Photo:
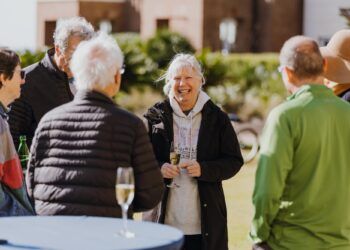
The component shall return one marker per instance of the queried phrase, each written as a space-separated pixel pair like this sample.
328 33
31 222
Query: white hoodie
183 206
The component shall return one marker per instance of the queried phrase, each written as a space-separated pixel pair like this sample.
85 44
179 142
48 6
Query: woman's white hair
179 62
75 26
95 62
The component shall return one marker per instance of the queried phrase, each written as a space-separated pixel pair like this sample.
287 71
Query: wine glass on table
174 160
125 188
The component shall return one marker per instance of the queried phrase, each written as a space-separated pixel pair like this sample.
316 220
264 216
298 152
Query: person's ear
2 80
2 77
117 80
290 75
325 64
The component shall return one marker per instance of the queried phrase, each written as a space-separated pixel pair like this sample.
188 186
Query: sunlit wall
18 24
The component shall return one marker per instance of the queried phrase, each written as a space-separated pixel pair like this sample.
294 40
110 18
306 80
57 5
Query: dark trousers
193 242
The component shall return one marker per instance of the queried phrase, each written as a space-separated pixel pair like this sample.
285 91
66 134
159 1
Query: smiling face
185 87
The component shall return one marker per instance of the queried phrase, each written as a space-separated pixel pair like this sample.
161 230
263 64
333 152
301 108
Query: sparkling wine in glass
125 188
174 160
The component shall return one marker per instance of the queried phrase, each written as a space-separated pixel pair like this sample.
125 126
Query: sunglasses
21 72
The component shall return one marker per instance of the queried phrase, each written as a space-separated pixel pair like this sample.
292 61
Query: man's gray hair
179 62
95 62
302 55
75 26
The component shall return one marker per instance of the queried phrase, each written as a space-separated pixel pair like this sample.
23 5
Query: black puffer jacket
76 151
46 87
219 156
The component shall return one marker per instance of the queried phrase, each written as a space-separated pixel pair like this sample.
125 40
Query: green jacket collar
315 89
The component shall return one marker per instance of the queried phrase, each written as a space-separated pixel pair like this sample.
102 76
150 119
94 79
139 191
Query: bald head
302 55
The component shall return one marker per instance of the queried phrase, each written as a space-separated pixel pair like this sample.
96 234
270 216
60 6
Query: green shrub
138 99
214 67
164 45
139 67
250 84
28 57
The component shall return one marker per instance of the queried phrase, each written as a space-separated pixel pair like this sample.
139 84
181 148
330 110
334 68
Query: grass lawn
238 193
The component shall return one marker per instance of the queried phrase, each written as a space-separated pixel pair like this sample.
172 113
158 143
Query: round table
84 232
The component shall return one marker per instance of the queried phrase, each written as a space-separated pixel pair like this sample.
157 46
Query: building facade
251 24
260 25
110 15
237 25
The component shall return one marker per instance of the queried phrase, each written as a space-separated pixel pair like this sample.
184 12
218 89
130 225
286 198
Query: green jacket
302 188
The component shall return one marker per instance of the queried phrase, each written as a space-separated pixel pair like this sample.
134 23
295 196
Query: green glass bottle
23 151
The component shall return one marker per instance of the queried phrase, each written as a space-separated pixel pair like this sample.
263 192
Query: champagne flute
124 188
174 160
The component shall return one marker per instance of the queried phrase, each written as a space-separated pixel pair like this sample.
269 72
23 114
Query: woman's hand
169 171
193 168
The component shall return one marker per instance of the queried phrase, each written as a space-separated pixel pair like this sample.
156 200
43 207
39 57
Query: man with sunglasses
48 82
13 196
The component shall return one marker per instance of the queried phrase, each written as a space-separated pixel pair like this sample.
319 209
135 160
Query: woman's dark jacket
219 157
75 154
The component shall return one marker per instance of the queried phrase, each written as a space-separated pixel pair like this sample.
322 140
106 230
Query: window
162 23
49 30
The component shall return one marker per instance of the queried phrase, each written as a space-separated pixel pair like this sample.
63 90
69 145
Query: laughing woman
190 124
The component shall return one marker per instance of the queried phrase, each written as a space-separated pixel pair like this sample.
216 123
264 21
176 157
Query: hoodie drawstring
191 116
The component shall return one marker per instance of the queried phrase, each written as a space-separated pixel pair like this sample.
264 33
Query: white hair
75 26
179 62
95 62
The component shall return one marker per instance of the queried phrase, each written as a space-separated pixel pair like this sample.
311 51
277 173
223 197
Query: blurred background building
227 25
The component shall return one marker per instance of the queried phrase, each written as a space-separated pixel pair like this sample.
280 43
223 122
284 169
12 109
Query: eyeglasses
122 69
280 68
21 72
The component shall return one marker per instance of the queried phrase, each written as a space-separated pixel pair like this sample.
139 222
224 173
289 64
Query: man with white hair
48 82
302 188
78 146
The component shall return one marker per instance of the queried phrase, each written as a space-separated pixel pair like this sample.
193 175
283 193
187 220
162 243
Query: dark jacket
46 87
75 154
219 157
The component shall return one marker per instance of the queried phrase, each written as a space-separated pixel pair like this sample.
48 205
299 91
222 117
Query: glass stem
125 217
